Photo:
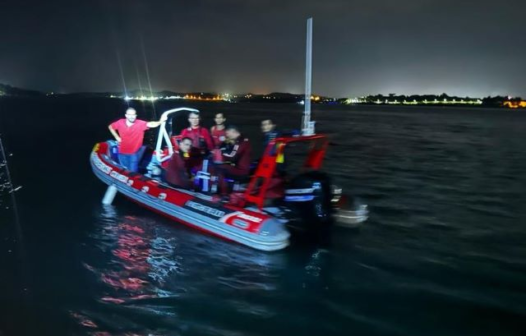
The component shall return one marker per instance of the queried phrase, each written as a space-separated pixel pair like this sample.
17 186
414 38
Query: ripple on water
442 252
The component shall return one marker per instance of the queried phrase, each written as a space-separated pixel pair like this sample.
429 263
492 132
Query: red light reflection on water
133 266
83 320
132 252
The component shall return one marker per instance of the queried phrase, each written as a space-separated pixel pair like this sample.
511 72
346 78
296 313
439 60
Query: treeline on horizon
496 101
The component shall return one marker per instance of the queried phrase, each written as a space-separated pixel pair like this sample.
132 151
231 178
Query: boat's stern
348 211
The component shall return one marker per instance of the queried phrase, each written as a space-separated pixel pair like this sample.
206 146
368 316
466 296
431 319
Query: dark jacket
269 136
177 171
236 157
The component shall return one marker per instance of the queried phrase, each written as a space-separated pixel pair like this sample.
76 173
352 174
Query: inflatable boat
260 212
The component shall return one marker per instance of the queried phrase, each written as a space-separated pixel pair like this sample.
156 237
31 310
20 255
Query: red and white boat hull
245 226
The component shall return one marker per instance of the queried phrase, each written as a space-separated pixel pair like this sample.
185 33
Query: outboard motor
309 196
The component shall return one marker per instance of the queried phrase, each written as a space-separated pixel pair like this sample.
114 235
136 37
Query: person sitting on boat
130 137
270 133
178 170
202 142
235 154
218 130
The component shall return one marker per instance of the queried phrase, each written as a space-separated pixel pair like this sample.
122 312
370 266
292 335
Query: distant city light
379 99
453 101
515 104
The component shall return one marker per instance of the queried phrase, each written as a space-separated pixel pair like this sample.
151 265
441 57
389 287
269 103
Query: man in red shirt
202 142
130 137
218 131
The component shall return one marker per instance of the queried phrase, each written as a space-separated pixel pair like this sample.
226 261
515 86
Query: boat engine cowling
309 196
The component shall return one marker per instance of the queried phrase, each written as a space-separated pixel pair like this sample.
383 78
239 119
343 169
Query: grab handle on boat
203 175
163 134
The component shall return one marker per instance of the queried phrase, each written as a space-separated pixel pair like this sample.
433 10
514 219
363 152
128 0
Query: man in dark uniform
269 131
235 154
178 169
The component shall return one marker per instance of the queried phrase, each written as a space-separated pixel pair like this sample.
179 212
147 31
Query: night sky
466 48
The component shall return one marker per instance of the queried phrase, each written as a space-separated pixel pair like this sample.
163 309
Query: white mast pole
308 127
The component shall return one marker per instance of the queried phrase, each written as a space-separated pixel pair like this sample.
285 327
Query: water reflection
155 275
446 235
141 261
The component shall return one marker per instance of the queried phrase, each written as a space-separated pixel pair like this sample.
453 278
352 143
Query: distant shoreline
277 102
442 100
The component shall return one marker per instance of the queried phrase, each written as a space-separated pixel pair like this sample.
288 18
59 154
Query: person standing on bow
218 130
202 142
129 133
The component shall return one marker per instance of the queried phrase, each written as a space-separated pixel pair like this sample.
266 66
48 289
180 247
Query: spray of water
6 183
7 187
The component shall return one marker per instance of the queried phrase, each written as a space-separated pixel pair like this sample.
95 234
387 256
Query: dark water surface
443 253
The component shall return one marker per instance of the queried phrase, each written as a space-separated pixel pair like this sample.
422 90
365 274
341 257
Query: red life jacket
218 136
201 138
177 171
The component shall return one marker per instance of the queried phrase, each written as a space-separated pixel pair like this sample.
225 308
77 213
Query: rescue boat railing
163 134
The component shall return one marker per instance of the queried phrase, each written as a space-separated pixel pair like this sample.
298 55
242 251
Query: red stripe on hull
180 220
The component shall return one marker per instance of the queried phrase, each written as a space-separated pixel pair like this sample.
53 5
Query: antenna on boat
307 125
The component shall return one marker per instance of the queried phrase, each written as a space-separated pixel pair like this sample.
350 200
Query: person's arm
242 166
244 160
114 133
153 124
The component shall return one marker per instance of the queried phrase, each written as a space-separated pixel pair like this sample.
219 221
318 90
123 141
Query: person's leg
134 162
125 161
222 183
140 154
